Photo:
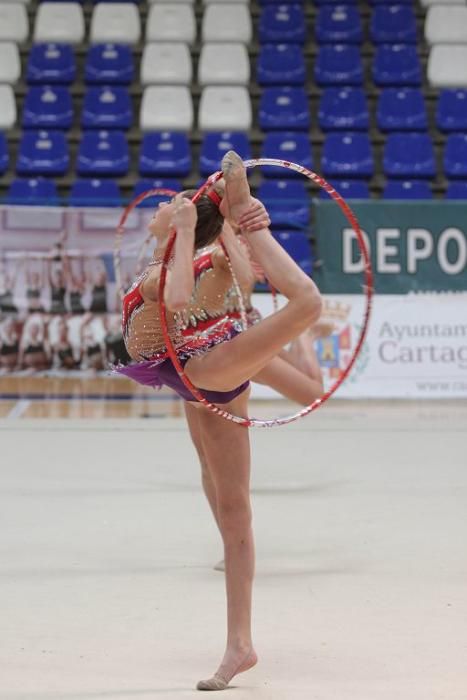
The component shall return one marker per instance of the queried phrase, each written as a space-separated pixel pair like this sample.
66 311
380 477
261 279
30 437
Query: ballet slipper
237 190
220 566
220 682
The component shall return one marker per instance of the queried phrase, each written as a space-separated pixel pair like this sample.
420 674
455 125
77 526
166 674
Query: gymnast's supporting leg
227 449
192 416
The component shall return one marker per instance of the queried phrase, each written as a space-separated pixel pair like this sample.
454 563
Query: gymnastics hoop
368 287
121 230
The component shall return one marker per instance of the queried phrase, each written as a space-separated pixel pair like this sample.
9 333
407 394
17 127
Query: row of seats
276 64
393 23
346 154
396 64
121 22
163 108
287 201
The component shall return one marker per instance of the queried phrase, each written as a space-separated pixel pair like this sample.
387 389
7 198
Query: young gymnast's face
163 214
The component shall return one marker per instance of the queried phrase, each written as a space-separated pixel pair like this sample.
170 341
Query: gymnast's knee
311 301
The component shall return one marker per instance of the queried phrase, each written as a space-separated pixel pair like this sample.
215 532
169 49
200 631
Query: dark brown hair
210 220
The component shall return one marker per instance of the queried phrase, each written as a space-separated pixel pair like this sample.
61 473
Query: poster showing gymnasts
59 301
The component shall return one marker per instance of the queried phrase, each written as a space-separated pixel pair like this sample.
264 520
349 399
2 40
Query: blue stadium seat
103 153
455 156
165 154
338 65
401 109
286 145
216 143
298 246
319 3
39 191
110 64
146 184
409 155
49 107
287 201
456 190
347 154
396 64
95 193
339 24
451 110
4 157
348 189
343 108
407 189
284 108
280 64
393 24
43 153
391 2
51 64
283 24
107 108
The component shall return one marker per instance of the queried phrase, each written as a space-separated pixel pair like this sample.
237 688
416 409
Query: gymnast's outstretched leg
230 364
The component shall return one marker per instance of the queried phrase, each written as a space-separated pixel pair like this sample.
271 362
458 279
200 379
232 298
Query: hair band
214 197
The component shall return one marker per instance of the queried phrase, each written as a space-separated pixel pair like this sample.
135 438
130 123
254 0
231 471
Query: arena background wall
57 280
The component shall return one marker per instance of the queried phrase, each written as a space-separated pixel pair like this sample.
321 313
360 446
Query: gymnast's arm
238 256
180 278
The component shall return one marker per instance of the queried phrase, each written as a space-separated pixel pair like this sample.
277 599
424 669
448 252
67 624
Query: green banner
414 246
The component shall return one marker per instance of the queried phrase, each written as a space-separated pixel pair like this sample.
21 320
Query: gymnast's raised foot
237 189
235 661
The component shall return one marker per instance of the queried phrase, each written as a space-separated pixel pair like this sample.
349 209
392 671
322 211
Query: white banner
416 346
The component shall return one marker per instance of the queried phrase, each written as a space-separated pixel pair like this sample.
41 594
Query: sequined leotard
201 326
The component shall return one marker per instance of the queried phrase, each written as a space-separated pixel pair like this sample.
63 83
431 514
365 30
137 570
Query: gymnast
219 360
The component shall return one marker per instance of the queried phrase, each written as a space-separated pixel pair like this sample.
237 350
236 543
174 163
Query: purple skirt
158 374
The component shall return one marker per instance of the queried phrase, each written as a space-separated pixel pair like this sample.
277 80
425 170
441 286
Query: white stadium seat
447 65
427 3
227 22
223 64
166 108
10 64
225 109
184 2
59 22
14 24
114 22
7 107
171 23
232 2
166 63
446 24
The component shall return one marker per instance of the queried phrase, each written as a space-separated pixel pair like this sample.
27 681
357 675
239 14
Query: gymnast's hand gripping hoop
368 287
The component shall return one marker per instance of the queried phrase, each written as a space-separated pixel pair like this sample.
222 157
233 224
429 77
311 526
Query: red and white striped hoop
368 287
